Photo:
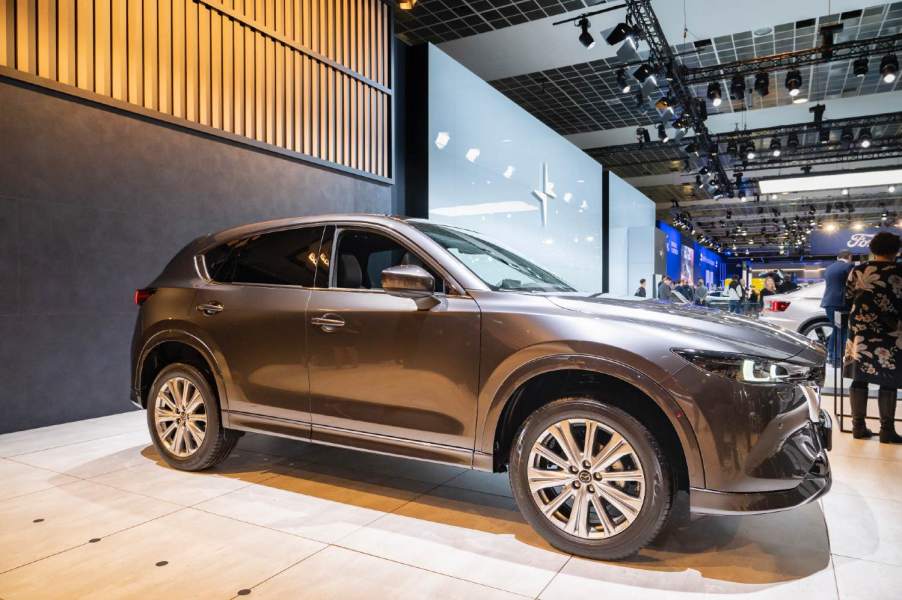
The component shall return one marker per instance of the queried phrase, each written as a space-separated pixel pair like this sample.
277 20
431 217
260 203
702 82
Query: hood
697 327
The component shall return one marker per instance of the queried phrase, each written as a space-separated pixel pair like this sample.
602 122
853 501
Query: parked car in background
415 339
799 311
717 299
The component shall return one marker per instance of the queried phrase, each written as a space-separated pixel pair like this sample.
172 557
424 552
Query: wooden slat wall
309 76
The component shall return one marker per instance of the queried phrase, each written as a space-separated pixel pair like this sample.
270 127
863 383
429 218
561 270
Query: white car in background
800 311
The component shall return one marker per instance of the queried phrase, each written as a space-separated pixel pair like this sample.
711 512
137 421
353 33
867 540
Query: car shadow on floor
756 550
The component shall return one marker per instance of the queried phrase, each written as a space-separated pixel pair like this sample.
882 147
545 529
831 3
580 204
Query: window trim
296 227
456 290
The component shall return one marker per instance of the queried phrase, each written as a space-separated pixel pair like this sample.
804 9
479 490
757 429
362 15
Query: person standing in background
874 350
640 291
664 288
834 301
701 292
734 294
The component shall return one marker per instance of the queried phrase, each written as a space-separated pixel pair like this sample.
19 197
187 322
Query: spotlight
891 189
622 82
642 135
792 142
731 148
864 137
845 192
888 68
662 133
860 66
644 72
737 87
794 82
692 148
762 84
664 104
748 149
703 171
620 33
698 181
775 147
846 136
585 38
714 94
823 136
713 148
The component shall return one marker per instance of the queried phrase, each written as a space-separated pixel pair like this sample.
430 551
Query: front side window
499 268
363 255
287 257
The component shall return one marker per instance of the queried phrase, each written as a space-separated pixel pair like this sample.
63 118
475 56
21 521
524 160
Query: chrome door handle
328 322
210 308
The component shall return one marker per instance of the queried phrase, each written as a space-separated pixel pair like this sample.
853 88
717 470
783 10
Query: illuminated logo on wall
545 194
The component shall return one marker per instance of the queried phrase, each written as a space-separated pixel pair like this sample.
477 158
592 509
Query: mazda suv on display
414 339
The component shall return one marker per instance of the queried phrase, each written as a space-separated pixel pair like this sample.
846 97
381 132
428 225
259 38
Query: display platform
88 510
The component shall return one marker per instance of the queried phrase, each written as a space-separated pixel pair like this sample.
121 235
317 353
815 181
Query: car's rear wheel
184 420
817 331
590 478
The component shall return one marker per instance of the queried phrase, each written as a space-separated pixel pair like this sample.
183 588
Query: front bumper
815 483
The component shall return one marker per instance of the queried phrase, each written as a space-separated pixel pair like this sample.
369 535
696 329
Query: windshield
500 269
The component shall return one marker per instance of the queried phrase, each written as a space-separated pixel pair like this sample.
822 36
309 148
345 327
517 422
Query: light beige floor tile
33 440
207 556
384 465
866 580
866 477
865 527
72 515
155 478
92 458
470 535
781 555
366 577
481 481
320 502
17 479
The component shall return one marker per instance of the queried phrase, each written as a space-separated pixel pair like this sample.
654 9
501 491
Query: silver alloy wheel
180 415
586 478
819 333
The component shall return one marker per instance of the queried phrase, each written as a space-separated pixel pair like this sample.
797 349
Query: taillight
778 305
142 295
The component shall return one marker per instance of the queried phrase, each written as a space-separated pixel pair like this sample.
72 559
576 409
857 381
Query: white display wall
632 237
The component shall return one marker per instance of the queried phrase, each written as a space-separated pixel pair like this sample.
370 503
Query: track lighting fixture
864 137
714 93
622 82
792 141
823 136
620 33
731 148
846 137
762 84
585 38
748 150
860 66
662 133
775 147
644 72
642 135
889 66
794 82
737 87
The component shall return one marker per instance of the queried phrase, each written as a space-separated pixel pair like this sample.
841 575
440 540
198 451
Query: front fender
500 386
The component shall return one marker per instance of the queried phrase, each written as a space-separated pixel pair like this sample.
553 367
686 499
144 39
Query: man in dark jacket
640 291
664 288
834 301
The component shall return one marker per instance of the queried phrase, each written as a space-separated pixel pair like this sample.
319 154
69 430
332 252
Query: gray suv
414 339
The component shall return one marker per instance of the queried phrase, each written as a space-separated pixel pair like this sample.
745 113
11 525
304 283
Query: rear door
254 314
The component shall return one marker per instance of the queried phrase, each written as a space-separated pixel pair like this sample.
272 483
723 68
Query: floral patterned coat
874 348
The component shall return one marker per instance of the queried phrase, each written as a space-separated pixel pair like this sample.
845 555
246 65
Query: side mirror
410 281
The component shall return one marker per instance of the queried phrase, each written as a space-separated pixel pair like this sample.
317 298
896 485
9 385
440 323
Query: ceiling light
731 148
762 84
794 82
585 38
662 133
871 178
800 99
857 226
792 142
407 4
860 66
845 191
642 135
644 72
864 137
714 94
622 82
891 189
621 32
748 149
823 136
830 227
775 147
737 87
888 68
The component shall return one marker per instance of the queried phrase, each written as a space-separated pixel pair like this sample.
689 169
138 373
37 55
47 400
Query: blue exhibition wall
687 258
671 250
496 169
825 242
709 266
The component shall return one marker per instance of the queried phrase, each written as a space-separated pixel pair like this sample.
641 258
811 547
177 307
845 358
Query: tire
817 328
217 442
643 473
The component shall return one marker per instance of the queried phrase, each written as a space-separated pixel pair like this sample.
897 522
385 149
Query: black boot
858 398
886 402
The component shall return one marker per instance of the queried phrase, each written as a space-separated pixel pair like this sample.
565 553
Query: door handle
210 308
328 322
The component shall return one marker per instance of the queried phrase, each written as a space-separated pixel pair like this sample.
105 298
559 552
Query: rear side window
280 258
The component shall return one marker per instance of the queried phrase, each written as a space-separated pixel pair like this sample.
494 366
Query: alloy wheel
180 416
819 333
586 478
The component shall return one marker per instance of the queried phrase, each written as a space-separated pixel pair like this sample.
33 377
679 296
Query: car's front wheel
590 478
184 420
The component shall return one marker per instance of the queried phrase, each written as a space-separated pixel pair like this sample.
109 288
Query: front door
380 366
254 314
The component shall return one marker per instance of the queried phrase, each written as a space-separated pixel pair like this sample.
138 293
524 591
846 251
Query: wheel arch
541 380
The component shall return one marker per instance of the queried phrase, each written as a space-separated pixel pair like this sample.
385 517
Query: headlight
748 369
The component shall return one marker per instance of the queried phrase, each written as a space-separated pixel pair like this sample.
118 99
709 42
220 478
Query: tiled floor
88 510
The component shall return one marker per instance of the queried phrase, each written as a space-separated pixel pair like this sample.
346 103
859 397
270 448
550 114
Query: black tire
652 515
809 327
218 441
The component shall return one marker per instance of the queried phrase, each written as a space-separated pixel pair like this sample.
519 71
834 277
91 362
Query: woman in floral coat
874 347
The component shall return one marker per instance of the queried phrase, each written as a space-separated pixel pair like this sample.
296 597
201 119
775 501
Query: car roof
262 226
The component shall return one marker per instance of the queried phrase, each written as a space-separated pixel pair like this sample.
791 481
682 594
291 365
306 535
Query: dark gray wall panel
93 203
